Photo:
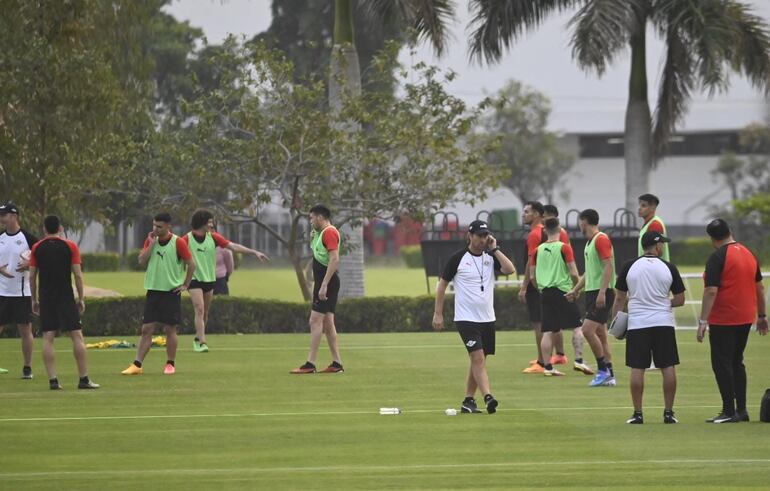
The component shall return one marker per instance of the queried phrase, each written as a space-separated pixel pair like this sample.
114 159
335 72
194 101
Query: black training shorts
477 335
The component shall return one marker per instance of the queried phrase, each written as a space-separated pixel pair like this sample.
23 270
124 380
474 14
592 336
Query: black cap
652 238
9 207
478 227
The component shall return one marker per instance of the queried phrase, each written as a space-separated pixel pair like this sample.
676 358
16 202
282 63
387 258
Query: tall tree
517 118
704 40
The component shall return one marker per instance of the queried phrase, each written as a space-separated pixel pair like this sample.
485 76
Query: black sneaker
636 419
55 385
306 368
88 384
491 403
669 418
743 416
26 373
469 406
723 417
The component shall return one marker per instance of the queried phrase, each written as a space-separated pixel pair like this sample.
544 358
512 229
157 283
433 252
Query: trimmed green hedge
100 261
412 256
131 260
122 316
691 252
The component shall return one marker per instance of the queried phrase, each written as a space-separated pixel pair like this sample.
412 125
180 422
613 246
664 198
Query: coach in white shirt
473 272
645 283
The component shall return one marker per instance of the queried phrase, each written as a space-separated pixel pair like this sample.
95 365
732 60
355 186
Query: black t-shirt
53 257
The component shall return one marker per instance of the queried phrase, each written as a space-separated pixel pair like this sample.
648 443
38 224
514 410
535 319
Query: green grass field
235 419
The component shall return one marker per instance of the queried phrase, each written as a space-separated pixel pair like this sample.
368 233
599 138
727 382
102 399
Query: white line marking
375 468
318 413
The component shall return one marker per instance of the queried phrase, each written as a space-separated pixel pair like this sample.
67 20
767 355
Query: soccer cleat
601 378
200 347
582 367
26 373
559 360
469 407
669 418
742 416
133 370
611 382
88 385
334 367
55 385
196 345
536 368
723 417
533 362
552 373
169 369
491 403
306 368
636 418
3 370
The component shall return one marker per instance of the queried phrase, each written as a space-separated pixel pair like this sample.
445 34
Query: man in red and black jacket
733 299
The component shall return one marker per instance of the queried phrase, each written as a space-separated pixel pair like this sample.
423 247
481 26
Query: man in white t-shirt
646 282
15 295
472 270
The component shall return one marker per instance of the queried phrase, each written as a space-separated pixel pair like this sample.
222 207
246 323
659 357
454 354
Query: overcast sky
542 59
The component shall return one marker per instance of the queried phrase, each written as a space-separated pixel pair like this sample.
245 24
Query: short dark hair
590 215
321 210
52 223
551 210
551 225
536 205
200 218
718 229
649 199
163 217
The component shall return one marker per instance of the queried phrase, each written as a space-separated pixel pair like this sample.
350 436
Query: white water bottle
389 410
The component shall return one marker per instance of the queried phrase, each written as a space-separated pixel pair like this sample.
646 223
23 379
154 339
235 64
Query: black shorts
332 292
59 315
599 315
206 286
15 310
221 287
162 307
558 312
651 343
534 308
477 335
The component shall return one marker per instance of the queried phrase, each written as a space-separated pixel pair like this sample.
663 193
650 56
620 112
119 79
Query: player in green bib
648 206
170 268
203 241
555 274
599 283
325 244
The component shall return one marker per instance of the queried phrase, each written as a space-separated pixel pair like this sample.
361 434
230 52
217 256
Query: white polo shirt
648 281
474 284
11 248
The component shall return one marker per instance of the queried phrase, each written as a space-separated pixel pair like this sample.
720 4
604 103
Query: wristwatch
492 252
702 322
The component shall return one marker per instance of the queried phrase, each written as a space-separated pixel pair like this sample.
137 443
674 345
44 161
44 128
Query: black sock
84 380
469 399
336 365
488 397
137 364
560 354
197 338
548 366
601 364
26 369
578 360
609 367
541 363
53 381
170 362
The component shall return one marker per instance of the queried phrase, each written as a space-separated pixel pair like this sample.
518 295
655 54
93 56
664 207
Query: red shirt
182 249
219 240
331 239
603 246
656 226
735 272
538 236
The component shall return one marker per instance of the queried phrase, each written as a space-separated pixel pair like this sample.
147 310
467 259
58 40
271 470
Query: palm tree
704 39
429 18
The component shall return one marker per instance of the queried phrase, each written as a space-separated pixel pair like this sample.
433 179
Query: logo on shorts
471 343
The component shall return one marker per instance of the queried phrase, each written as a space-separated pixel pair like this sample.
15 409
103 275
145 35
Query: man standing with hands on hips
473 272
733 298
